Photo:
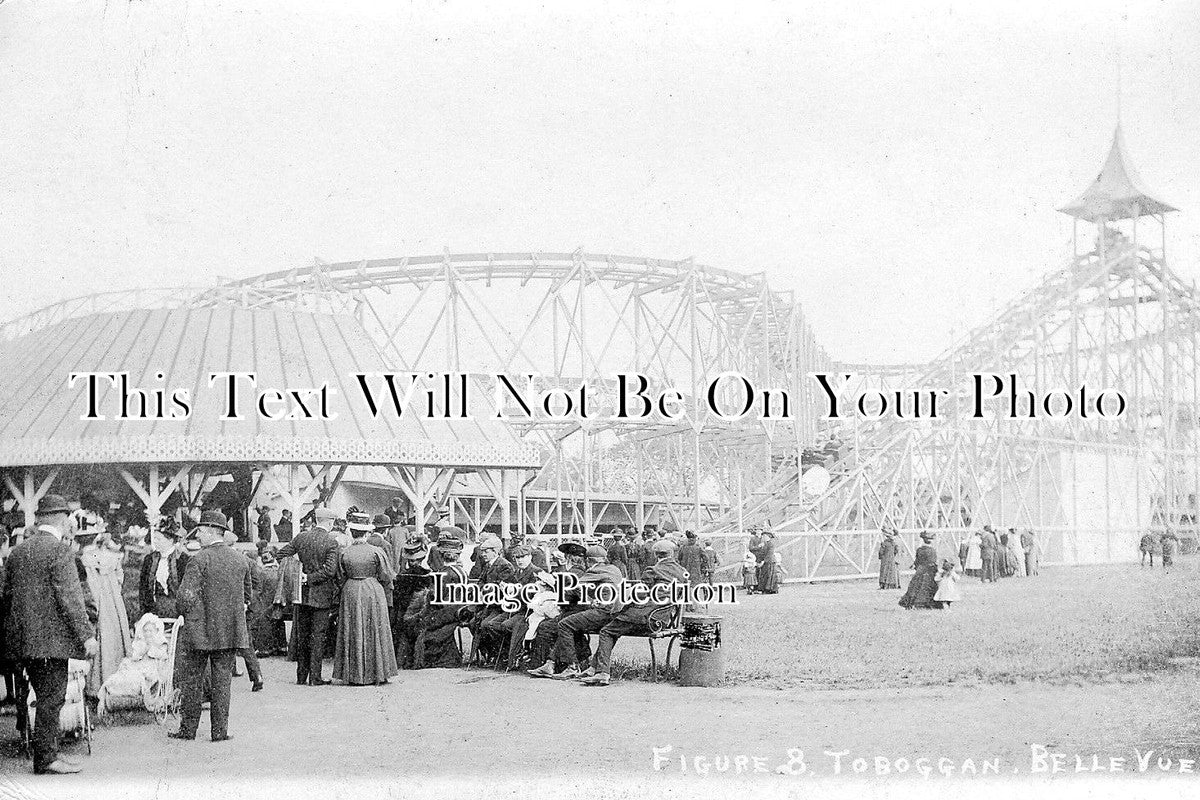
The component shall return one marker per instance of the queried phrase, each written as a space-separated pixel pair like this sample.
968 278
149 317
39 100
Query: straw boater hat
359 522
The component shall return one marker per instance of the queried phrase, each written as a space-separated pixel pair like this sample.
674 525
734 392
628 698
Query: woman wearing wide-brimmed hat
103 574
365 653
889 560
923 585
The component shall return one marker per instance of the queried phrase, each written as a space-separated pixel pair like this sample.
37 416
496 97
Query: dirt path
499 732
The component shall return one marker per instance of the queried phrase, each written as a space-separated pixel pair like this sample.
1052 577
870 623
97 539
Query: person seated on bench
498 627
569 557
635 620
440 622
574 629
493 568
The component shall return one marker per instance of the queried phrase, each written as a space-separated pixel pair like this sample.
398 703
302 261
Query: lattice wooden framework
1114 316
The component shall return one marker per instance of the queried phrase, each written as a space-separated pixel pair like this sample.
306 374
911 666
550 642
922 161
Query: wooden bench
665 623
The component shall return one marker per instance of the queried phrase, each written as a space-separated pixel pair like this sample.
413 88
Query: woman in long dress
365 653
923 585
974 565
103 562
768 580
1016 552
889 562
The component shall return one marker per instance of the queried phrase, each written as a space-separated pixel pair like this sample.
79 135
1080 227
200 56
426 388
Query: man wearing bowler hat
318 552
214 596
47 623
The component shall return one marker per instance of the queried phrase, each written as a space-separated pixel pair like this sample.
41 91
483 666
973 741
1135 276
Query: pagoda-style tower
1114 317
1117 193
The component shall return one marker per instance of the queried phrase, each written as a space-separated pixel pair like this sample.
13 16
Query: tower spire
1117 192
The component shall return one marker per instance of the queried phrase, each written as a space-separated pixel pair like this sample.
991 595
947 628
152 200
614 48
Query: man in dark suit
498 629
691 557
618 553
395 512
318 552
213 597
493 569
47 623
572 645
634 620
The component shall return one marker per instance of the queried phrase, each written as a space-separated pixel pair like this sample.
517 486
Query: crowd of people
762 567
1165 545
985 554
356 588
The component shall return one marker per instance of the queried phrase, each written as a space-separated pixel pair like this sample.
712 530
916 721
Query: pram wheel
169 707
87 727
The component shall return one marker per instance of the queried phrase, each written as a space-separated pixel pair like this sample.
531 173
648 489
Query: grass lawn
1068 624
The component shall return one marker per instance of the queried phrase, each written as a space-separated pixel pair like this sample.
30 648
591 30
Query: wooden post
506 504
30 492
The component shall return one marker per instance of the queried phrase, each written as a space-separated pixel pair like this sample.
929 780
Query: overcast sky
897 166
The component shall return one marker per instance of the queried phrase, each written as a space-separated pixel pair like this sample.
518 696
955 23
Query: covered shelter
148 356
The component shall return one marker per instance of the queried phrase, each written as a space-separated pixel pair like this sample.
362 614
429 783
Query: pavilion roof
1117 192
40 417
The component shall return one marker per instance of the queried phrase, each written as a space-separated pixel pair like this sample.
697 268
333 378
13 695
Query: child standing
947 581
749 572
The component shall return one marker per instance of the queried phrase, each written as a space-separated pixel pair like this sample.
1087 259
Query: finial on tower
1117 192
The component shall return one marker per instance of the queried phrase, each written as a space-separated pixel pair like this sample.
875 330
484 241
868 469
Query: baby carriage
75 719
146 677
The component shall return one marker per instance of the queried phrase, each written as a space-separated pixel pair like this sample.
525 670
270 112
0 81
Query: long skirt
974 563
1018 560
921 589
365 653
1031 562
1008 564
441 648
112 628
889 575
770 578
